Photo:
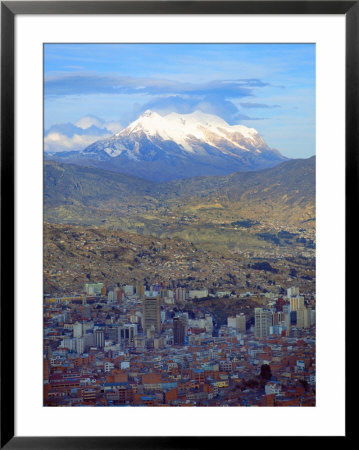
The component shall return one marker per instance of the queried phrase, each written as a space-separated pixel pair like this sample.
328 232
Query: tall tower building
152 313
312 317
77 329
119 295
179 327
241 323
140 290
126 334
262 322
99 338
286 318
180 294
296 303
80 345
302 318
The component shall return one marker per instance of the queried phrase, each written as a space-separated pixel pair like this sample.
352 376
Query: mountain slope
284 193
230 212
178 146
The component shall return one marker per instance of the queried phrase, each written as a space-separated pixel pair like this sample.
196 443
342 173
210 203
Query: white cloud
74 137
89 121
114 127
57 142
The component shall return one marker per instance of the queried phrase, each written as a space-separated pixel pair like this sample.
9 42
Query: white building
108 366
231 322
69 343
272 388
125 365
128 289
77 330
93 288
198 293
80 345
262 322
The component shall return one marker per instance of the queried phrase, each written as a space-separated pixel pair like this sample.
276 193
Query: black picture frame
9 9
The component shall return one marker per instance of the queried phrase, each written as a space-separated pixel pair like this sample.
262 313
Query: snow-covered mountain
178 146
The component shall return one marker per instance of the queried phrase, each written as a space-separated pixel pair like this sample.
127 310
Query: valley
267 213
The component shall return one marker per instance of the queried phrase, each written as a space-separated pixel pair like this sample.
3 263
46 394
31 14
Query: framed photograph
175 179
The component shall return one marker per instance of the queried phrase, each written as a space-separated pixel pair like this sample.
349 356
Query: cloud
89 121
76 137
69 129
114 126
57 142
210 104
257 105
84 83
160 95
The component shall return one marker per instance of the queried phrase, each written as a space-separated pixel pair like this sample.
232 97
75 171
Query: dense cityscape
126 345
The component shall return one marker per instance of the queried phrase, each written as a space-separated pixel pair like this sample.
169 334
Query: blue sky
93 90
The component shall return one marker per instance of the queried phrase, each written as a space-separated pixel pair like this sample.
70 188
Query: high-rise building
304 317
296 303
231 322
140 290
119 295
293 292
80 345
99 338
89 339
179 328
308 318
312 317
152 313
238 323
301 312
111 297
180 294
286 318
262 322
126 334
241 323
77 330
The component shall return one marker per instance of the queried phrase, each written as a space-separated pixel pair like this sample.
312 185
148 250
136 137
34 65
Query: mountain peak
149 113
187 130
181 145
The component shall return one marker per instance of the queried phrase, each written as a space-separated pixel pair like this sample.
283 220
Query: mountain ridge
211 209
178 146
